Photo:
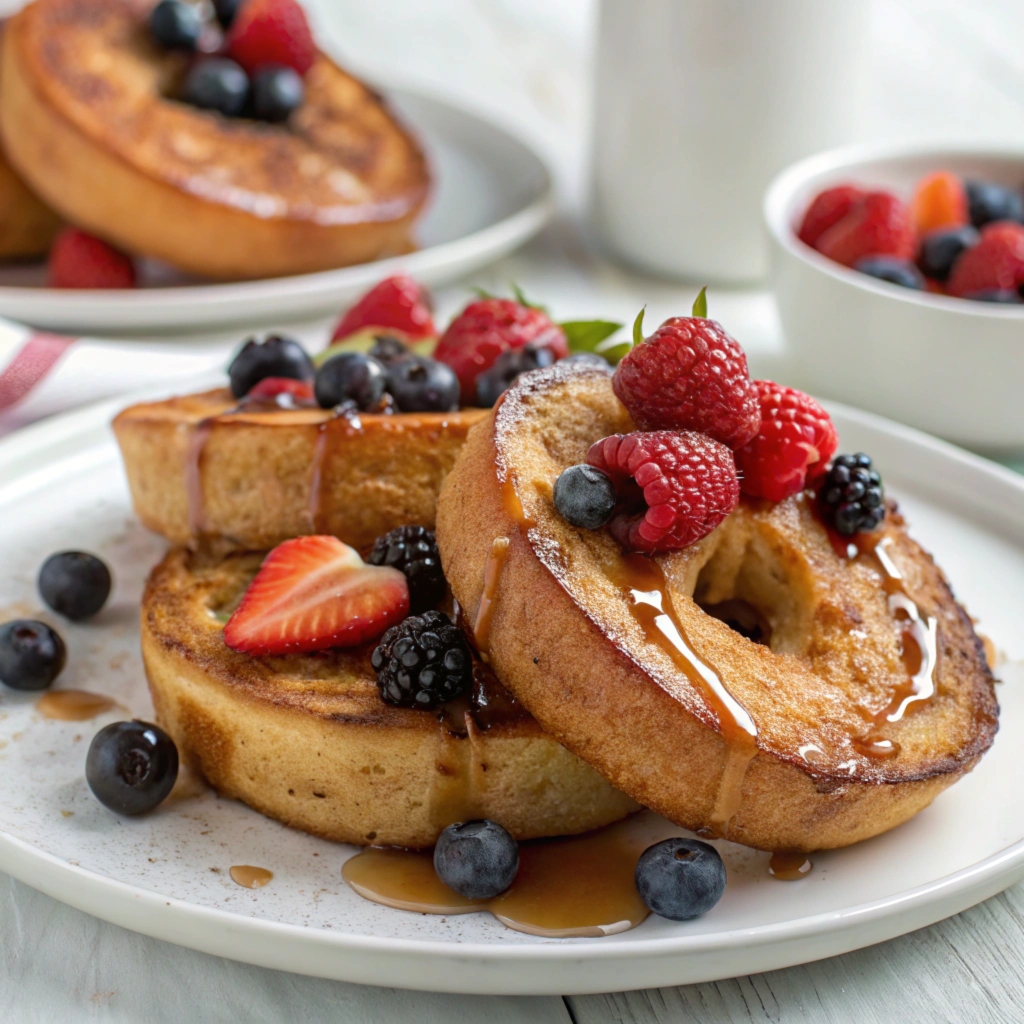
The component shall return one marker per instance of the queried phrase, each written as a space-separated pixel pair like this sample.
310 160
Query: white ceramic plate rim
175 920
778 201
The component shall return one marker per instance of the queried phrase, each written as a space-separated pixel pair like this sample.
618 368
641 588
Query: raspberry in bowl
900 335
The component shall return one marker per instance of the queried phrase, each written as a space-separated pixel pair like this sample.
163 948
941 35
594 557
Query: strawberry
877 225
79 260
271 32
487 328
996 263
828 208
312 593
275 387
398 304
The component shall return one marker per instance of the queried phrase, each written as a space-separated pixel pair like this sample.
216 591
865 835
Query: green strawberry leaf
586 335
700 304
482 293
638 328
524 301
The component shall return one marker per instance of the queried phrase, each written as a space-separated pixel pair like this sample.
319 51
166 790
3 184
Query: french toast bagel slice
88 119
204 472
307 740
567 635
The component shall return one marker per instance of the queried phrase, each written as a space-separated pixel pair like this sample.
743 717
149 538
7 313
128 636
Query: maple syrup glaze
789 867
74 705
250 877
485 612
573 886
643 582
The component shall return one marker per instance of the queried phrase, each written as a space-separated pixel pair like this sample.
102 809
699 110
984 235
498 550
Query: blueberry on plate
1006 295
584 496
420 384
941 249
175 25
131 766
31 654
493 383
276 356
680 878
478 859
895 271
350 377
989 202
413 551
217 84
74 584
277 92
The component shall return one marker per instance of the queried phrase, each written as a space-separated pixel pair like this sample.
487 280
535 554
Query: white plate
166 875
492 194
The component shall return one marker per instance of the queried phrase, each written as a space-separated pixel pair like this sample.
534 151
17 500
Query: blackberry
413 549
852 495
422 662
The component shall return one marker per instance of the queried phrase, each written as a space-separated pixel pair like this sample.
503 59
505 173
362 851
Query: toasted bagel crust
85 120
307 739
588 673
201 473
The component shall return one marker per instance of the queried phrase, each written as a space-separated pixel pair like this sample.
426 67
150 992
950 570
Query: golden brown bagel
306 739
571 643
85 120
199 472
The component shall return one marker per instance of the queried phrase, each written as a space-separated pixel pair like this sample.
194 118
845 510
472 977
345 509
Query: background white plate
166 875
492 193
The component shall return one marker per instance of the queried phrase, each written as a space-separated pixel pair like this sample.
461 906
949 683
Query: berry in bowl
898 273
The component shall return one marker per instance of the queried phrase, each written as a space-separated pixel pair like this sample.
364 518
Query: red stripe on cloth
31 363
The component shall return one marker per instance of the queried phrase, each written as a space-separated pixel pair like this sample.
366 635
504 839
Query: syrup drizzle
789 867
326 431
74 705
485 612
573 886
650 603
250 877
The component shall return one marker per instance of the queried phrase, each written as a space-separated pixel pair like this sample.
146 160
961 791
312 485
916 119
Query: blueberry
590 358
990 202
131 766
277 91
1007 295
226 10
888 268
75 584
350 377
276 356
31 654
493 383
175 25
386 349
584 496
218 84
680 878
419 384
478 859
941 249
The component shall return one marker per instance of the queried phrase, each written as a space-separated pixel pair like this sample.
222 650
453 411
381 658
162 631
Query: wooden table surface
941 71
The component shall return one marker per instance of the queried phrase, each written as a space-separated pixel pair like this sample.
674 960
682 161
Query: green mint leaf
586 335
700 304
615 351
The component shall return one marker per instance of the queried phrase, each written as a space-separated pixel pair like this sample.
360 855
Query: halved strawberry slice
398 304
312 593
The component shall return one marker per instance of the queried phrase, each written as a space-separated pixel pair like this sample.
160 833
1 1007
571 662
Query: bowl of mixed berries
899 276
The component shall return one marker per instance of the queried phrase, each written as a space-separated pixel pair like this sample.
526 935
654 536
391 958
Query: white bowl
950 366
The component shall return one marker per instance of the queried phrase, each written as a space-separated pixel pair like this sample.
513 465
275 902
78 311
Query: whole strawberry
487 328
271 32
79 260
398 304
689 375
877 225
996 263
674 487
792 447
828 208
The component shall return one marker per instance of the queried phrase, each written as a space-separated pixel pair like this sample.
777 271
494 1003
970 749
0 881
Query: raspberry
794 444
674 487
996 262
397 304
828 208
689 375
78 260
940 201
272 32
878 225
487 328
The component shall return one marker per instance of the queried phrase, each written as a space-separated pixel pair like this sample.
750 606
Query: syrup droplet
250 877
574 886
789 867
74 705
